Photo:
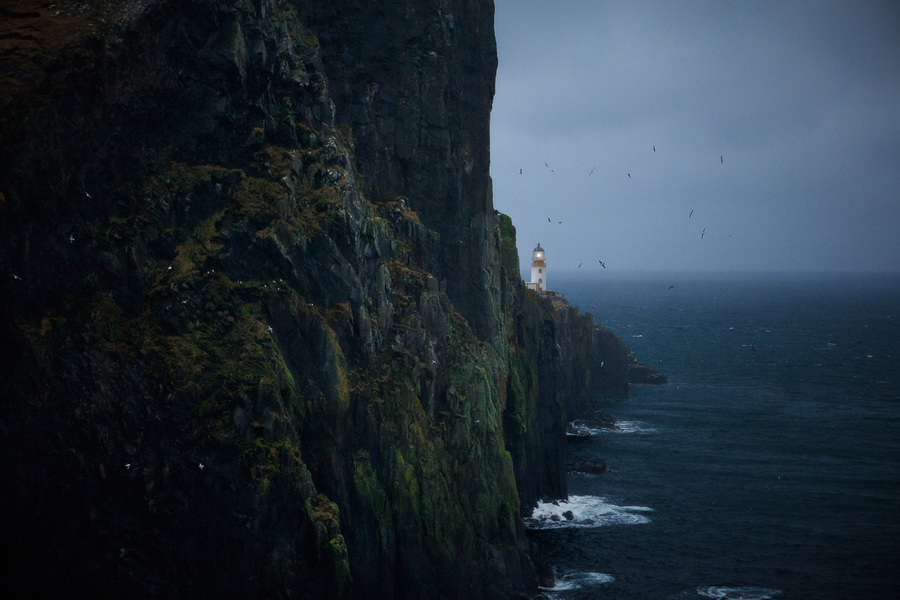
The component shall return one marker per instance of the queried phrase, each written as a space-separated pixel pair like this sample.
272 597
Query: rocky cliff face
262 333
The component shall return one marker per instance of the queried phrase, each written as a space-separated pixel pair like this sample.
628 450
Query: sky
776 127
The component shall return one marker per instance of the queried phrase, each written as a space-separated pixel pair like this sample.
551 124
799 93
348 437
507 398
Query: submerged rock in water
589 465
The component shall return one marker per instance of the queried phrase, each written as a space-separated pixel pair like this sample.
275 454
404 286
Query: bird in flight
629 176
579 265
601 264
520 171
654 148
592 172
702 233
722 159
689 216
548 220
671 286
560 222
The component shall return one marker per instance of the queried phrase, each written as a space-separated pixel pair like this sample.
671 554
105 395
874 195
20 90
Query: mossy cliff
262 333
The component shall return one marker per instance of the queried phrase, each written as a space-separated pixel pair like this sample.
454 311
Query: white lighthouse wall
535 276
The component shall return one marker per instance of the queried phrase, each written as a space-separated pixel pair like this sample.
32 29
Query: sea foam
737 593
575 581
633 427
585 511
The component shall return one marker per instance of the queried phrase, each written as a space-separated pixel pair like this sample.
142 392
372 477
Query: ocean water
768 467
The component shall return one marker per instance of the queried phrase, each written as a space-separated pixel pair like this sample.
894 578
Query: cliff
262 333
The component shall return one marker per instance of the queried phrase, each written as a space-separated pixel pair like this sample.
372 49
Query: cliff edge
262 333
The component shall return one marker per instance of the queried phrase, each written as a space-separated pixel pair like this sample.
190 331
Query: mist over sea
768 467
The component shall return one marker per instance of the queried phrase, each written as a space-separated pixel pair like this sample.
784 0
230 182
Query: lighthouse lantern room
538 271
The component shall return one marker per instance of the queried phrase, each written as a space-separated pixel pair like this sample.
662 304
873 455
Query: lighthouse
538 271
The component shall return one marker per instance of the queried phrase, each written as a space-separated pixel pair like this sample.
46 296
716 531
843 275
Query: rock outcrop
262 333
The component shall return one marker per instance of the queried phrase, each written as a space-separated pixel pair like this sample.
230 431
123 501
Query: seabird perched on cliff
601 264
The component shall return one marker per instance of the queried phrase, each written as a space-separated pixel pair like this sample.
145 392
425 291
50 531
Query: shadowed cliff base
261 331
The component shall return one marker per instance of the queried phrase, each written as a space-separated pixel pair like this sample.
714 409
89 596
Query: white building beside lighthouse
538 271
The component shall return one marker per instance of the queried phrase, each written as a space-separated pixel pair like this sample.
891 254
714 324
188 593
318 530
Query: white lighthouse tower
538 271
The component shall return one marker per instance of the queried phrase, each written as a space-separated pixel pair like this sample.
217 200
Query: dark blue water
768 467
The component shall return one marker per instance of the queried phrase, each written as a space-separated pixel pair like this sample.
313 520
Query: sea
768 467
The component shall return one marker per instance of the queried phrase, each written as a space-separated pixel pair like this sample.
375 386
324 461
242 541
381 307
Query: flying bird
579 265
601 264
654 148
702 233
592 172
546 165
689 216
722 159
201 466
520 171
671 286
548 220
560 222
629 176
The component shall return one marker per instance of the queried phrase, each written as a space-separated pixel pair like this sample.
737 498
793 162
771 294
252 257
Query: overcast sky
801 100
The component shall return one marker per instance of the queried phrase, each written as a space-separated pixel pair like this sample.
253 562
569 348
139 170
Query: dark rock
589 465
641 374
259 237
